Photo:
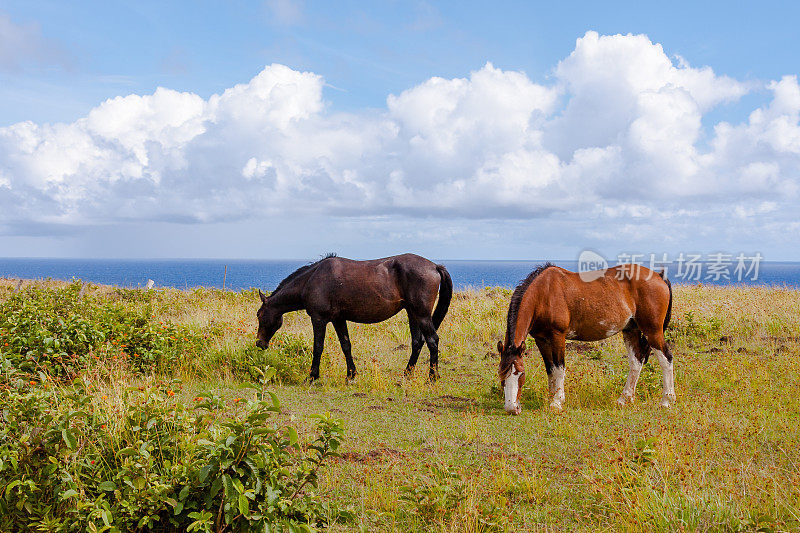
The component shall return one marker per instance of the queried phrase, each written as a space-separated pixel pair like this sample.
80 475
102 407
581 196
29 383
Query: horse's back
386 270
600 307
372 290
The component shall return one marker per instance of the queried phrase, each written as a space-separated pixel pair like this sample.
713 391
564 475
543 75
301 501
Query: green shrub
70 464
288 354
58 332
440 496
434 495
693 328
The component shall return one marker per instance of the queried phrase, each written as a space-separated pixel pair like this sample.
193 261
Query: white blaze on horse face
511 389
634 369
557 383
668 379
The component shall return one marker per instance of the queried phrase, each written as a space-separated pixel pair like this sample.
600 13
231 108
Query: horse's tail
669 306
445 294
644 348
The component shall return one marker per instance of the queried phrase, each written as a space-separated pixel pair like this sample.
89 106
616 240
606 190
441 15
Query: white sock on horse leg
668 379
634 369
558 385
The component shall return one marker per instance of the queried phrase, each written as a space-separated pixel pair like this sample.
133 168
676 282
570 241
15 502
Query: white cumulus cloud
617 135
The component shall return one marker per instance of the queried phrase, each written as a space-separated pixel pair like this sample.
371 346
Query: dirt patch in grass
447 401
373 456
581 347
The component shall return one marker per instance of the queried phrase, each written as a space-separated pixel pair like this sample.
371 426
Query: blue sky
366 49
581 161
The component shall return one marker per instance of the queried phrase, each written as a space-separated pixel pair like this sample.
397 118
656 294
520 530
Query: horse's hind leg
417 341
432 340
636 359
656 340
344 339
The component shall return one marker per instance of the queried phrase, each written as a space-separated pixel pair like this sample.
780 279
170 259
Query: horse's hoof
623 400
409 371
556 404
312 378
665 403
351 378
433 375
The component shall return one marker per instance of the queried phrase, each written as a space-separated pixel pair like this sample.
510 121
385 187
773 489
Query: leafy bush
440 496
434 495
694 328
68 463
288 355
58 332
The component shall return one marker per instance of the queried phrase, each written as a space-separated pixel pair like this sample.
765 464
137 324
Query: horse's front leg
340 326
636 358
319 325
558 345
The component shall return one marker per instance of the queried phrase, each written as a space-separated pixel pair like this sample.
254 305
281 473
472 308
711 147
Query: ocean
266 274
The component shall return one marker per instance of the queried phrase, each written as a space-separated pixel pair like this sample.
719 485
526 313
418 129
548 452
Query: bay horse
553 304
338 290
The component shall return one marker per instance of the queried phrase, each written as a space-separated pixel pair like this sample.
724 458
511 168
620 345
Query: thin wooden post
224 277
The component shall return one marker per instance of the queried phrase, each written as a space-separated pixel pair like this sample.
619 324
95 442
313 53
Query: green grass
419 456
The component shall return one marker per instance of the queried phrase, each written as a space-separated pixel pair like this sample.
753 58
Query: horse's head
512 375
269 321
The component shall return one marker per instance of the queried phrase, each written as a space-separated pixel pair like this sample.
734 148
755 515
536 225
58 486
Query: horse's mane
302 270
516 298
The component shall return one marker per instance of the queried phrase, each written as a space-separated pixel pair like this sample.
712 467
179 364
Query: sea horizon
238 274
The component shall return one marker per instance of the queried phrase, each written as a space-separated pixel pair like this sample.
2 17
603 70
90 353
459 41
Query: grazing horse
553 304
335 289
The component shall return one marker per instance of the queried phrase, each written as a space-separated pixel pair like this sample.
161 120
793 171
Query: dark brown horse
338 290
553 304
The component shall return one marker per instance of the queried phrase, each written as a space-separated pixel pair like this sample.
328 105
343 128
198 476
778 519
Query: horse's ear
263 297
500 346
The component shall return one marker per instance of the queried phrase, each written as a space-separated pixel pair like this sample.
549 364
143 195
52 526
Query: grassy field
444 456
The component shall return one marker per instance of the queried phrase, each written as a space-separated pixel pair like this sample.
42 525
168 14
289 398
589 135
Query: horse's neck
522 322
287 299
520 333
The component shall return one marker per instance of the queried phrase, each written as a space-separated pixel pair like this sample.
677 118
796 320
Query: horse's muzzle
261 344
513 409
